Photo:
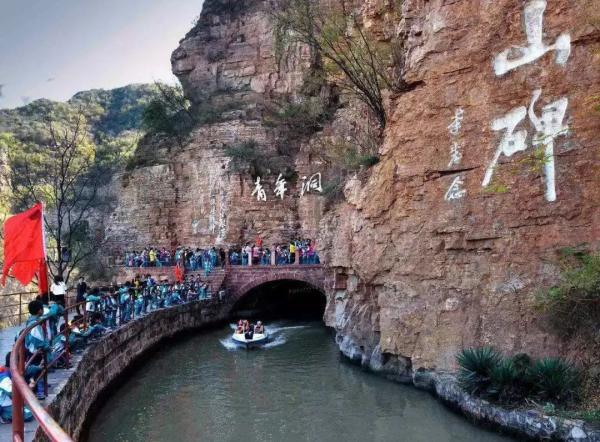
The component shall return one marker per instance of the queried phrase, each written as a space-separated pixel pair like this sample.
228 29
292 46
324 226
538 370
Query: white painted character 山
455 191
511 142
548 127
515 57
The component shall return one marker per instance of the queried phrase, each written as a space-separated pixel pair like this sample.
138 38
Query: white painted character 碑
515 57
511 142
548 127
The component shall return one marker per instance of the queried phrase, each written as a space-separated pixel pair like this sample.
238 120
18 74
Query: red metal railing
20 361
21 392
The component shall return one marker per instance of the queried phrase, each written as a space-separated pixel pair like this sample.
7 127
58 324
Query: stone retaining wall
524 424
103 362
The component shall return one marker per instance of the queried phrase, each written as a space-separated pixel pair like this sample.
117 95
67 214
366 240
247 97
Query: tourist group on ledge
196 259
49 345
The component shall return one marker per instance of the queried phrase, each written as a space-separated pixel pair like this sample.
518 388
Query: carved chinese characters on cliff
550 124
455 191
515 56
310 184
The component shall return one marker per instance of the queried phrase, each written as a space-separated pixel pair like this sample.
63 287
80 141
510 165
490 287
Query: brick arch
313 280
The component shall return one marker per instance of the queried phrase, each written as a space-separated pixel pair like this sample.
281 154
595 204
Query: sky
55 48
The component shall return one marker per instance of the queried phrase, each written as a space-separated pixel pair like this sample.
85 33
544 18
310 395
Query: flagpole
43 271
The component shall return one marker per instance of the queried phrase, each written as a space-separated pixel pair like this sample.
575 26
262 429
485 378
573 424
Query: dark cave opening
284 299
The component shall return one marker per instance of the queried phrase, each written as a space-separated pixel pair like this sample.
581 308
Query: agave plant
554 379
476 367
508 383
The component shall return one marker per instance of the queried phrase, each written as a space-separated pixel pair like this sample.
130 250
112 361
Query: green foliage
339 47
504 379
168 112
354 160
476 367
108 112
244 156
487 373
497 188
574 304
248 157
298 119
65 171
587 415
554 379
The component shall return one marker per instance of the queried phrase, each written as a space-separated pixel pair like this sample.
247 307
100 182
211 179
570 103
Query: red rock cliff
488 167
459 224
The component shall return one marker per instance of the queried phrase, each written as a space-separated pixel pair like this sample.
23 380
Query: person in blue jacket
6 395
35 341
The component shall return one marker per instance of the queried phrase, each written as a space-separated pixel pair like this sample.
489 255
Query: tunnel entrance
283 299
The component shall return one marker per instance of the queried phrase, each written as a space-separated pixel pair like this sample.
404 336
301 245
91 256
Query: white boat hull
256 341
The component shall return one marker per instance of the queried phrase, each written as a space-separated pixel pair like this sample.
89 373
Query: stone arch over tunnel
282 297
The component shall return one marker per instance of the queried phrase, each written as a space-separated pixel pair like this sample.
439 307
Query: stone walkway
57 380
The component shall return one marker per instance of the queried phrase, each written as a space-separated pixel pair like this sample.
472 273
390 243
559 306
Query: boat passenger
259 329
249 331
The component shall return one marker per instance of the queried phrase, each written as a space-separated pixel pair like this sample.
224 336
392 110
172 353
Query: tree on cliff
65 170
340 45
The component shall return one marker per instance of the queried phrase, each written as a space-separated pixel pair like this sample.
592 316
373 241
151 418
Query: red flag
178 273
24 254
43 277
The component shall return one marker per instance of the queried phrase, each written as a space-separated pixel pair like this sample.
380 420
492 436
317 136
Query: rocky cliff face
187 195
488 167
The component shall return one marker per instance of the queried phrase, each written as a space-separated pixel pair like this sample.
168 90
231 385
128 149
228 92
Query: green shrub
248 157
298 118
574 304
554 379
505 381
352 158
476 367
485 372
587 415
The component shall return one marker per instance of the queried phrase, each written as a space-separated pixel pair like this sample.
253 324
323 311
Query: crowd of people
191 259
195 259
98 310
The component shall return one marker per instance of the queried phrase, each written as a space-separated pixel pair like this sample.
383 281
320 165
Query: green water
298 389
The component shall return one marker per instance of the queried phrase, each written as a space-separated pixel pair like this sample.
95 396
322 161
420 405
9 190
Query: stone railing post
297 257
250 257
273 256
227 263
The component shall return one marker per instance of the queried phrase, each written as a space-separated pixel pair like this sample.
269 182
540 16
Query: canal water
296 389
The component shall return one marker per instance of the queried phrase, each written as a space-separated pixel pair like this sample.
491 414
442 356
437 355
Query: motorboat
257 339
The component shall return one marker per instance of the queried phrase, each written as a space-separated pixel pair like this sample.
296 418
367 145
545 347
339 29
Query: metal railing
232 257
110 312
14 311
